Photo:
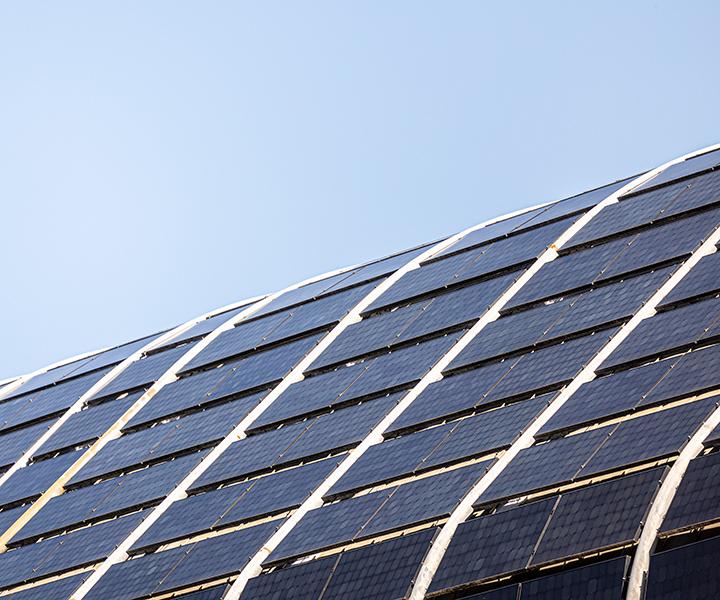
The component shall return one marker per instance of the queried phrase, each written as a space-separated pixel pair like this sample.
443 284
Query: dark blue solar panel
654 383
484 261
32 480
598 516
380 571
600 581
305 581
274 360
697 499
584 312
686 168
316 437
666 332
578 522
608 396
313 394
702 280
182 566
55 590
88 424
544 465
15 443
475 352
437 446
630 442
182 395
415 321
492 232
664 242
685 572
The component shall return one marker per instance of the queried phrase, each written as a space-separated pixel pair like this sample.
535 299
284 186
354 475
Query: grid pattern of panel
578 491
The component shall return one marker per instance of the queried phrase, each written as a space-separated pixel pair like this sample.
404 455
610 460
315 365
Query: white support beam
465 507
295 375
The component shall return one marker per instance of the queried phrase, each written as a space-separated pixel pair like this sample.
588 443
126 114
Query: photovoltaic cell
608 448
599 581
32 480
585 312
654 383
15 443
74 549
49 401
489 546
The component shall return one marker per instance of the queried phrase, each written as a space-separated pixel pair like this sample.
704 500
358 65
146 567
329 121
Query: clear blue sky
159 159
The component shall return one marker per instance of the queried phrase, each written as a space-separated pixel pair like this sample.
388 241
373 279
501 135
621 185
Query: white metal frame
465 507
239 432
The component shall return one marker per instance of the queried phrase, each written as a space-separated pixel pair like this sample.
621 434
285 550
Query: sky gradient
159 159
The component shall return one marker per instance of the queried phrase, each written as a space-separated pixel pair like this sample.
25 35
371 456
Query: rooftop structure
525 410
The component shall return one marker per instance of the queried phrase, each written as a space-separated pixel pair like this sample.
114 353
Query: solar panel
489 546
88 424
144 371
32 480
667 332
685 572
598 516
683 169
697 499
600 581
702 280
54 555
61 588
151 445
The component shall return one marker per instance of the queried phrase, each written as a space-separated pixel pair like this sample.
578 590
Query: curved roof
526 409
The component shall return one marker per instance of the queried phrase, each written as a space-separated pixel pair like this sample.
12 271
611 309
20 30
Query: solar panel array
489 416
